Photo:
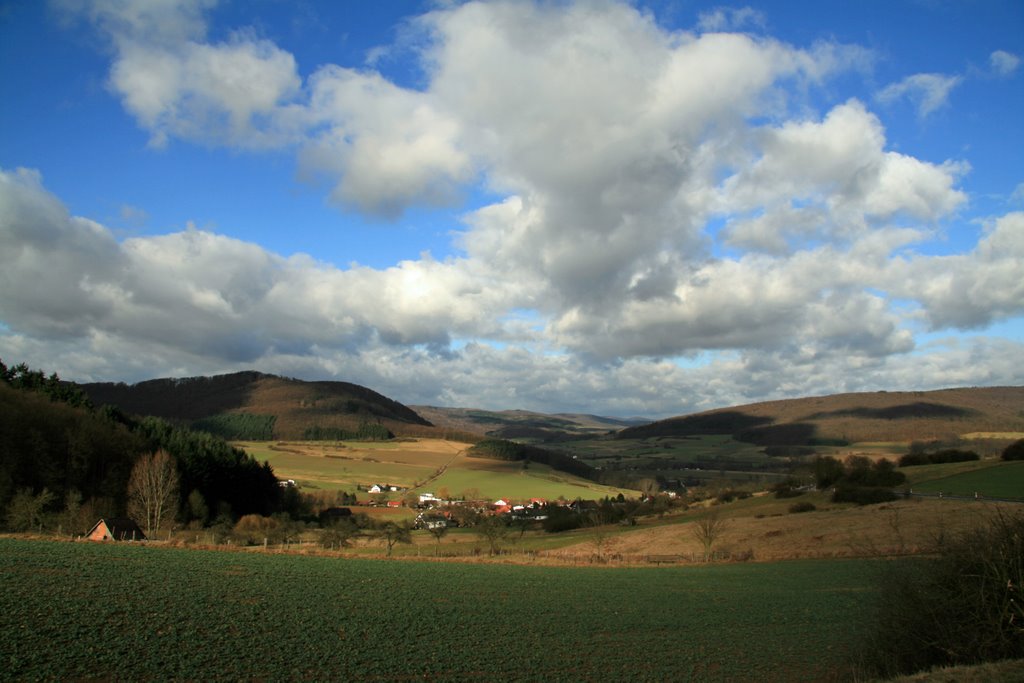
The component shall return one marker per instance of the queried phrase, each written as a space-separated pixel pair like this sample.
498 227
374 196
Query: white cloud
206 293
972 290
807 180
1018 193
389 146
928 91
194 302
1004 63
617 149
730 19
236 92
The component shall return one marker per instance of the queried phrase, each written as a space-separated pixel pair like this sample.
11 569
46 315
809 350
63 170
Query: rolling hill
897 416
286 408
525 425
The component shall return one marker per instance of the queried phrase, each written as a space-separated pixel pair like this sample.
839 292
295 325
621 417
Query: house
376 488
426 498
116 529
424 521
394 503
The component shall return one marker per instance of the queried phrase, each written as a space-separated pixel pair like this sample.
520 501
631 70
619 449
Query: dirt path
441 470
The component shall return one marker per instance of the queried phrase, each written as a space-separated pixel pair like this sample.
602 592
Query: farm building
116 529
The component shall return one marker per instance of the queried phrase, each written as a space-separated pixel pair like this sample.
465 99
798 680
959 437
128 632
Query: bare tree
600 535
494 530
391 533
438 531
707 531
153 490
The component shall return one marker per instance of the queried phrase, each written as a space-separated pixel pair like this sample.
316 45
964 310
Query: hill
256 405
524 425
901 416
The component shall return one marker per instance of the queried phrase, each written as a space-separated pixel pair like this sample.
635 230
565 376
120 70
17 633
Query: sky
626 209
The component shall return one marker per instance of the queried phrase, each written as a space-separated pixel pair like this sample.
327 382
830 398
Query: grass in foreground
77 611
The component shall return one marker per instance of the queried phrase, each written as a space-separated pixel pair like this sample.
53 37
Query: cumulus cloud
968 291
194 302
390 147
210 294
833 176
928 91
1004 63
662 195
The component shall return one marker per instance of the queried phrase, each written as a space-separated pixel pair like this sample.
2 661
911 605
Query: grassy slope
998 480
405 463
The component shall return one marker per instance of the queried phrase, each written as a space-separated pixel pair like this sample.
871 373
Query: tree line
65 460
500 449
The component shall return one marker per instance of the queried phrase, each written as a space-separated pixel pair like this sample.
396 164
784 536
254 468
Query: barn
116 529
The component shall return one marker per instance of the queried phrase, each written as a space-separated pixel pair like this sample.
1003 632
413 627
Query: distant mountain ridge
292 406
854 417
525 424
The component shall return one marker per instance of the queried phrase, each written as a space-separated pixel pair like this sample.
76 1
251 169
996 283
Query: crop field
495 478
131 612
346 465
1000 480
343 466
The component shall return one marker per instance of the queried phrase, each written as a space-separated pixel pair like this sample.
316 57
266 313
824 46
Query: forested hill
859 417
524 424
58 453
256 405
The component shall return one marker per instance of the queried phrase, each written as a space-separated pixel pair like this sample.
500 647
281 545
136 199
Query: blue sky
619 208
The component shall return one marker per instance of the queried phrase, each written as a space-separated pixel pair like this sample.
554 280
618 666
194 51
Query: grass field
433 464
130 612
997 480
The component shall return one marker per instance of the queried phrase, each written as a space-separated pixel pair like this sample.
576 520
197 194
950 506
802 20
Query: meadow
993 480
426 464
122 611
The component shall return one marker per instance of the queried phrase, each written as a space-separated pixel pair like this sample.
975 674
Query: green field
1001 480
344 466
655 449
131 612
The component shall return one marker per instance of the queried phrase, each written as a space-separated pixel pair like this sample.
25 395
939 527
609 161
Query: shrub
964 605
1015 451
938 457
952 455
560 519
253 529
802 506
913 460
862 495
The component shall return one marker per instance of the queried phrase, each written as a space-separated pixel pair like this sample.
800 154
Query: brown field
762 528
